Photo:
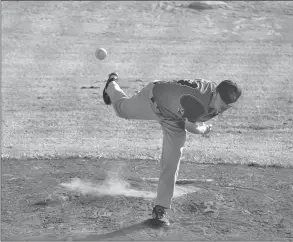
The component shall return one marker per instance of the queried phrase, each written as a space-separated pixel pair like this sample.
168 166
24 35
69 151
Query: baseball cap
229 92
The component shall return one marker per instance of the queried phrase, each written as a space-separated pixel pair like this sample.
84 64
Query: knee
119 114
118 109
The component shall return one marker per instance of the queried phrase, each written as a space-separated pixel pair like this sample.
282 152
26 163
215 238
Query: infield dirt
225 203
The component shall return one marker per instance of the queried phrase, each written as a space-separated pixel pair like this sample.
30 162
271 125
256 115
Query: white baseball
101 53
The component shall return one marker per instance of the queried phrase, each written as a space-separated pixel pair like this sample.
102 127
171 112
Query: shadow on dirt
45 203
149 223
203 5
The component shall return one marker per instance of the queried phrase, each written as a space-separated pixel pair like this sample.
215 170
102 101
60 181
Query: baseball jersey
167 96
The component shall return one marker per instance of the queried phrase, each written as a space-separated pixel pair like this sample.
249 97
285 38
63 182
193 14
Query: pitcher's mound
119 188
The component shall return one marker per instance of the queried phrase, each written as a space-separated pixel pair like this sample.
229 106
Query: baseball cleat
112 77
159 215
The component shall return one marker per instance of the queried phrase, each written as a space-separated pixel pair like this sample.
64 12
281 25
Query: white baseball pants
141 107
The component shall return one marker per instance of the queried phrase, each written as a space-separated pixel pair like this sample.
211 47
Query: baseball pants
141 107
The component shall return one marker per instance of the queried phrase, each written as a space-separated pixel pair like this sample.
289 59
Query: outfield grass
48 56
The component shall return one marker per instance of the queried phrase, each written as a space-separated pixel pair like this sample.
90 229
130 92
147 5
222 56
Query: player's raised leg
139 106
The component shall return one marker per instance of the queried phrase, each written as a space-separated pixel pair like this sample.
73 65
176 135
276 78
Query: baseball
101 53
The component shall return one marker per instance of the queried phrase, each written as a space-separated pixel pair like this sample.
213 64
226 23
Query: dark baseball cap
229 92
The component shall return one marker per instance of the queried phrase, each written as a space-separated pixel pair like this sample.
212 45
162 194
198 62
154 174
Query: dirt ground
227 202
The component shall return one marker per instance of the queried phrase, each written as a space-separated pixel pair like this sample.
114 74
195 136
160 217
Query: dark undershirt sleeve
193 108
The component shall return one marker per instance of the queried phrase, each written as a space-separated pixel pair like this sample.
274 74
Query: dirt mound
222 202
107 188
118 187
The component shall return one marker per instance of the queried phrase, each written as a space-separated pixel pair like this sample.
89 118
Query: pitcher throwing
178 106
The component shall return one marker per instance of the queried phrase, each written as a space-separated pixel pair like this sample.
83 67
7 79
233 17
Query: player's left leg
174 137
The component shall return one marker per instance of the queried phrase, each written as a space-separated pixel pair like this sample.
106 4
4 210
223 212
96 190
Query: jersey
167 95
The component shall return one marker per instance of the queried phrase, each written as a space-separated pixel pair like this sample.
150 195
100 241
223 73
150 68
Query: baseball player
178 106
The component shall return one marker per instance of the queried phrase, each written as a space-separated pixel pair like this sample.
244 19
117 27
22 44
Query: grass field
55 126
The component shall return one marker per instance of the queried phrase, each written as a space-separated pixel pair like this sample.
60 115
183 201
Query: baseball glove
193 109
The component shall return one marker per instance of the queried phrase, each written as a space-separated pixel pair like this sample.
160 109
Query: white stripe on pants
139 106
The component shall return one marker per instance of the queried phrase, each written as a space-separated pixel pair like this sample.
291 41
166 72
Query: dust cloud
109 187
113 185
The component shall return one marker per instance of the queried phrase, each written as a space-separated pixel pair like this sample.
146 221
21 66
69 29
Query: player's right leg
139 106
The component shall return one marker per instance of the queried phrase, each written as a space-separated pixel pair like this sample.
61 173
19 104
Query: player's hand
205 129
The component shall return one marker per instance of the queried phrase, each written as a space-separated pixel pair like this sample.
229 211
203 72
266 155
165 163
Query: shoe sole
106 97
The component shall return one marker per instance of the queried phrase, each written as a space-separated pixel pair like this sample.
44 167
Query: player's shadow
149 223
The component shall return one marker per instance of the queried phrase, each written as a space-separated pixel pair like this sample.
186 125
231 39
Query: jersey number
189 83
